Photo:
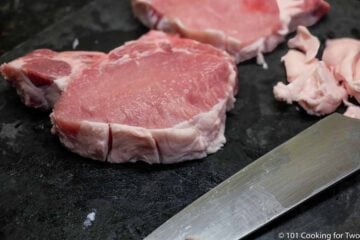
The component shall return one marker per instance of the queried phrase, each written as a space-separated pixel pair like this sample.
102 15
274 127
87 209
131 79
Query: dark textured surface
46 192
21 19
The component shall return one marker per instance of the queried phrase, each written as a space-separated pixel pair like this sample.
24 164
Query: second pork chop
244 28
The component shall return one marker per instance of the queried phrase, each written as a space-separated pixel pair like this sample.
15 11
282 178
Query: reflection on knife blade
280 180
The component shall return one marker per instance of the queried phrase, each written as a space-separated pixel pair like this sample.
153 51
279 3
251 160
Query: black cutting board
46 191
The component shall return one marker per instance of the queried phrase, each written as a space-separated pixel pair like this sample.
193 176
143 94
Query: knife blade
305 165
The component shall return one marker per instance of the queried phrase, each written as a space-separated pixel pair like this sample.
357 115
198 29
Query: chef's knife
275 183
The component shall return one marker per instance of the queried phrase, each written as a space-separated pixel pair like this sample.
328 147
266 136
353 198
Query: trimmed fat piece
343 57
311 83
40 76
244 28
297 62
353 112
317 91
159 99
305 42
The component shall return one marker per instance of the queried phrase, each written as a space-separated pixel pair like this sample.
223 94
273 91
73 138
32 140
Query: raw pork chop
40 76
343 57
311 83
244 28
160 99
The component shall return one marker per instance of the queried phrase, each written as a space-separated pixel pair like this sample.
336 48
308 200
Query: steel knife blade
308 163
